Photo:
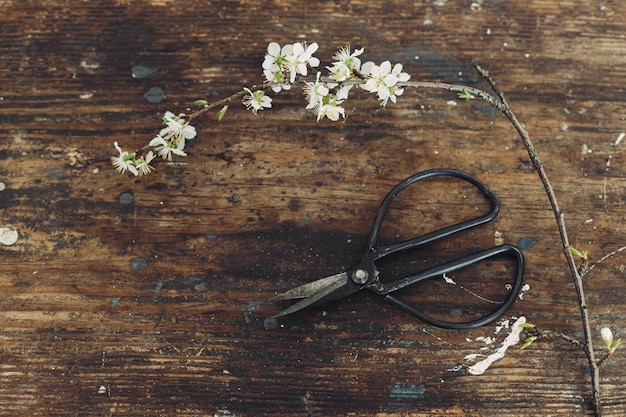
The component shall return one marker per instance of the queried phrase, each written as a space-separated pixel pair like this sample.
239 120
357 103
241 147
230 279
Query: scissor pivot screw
360 276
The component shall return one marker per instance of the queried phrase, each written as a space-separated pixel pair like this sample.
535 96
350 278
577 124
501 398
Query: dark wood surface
272 201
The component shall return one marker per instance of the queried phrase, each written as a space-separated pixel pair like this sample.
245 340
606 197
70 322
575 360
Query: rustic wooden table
147 295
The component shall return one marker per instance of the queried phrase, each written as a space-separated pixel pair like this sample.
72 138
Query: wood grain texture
272 201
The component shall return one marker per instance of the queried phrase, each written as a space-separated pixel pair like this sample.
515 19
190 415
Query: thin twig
577 278
604 258
550 334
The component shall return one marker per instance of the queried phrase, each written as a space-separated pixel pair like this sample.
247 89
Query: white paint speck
503 324
8 236
619 139
525 289
455 368
223 412
89 64
472 356
448 279
511 340
487 340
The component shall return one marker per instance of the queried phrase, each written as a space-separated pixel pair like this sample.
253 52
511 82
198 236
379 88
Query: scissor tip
270 323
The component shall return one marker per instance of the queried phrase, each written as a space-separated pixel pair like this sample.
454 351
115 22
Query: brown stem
226 100
577 278
552 334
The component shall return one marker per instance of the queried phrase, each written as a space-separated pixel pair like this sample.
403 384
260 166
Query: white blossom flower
277 77
165 149
256 101
124 161
143 166
298 57
315 93
177 128
273 66
321 101
345 64
382 80
607 336
282 65
332 110
275 55
342 93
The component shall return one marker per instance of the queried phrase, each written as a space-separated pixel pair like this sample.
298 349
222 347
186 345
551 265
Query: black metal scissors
367 276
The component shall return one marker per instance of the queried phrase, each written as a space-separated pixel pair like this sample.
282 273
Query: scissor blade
339 281
307 290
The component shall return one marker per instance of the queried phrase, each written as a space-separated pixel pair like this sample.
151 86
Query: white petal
297 49
169 116
370 85
301 68
157 141
273 49
342 94
189 132
607 335
312 48
383 92
286 49
390 80
132 169
367 67
385 67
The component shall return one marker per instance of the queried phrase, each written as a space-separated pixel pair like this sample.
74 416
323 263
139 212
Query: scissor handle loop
386 288
379 252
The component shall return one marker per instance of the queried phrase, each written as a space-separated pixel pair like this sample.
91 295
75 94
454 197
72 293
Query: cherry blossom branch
325 95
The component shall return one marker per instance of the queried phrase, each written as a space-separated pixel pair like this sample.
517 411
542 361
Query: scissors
367 276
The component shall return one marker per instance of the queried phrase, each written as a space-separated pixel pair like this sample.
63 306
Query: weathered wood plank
271 201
